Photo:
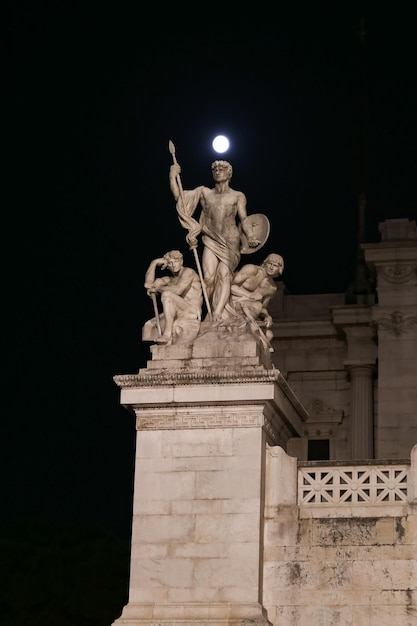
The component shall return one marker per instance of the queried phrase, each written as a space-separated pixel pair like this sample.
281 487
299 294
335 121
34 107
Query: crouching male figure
181 299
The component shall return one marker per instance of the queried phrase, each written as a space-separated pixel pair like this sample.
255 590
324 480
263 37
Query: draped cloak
225 247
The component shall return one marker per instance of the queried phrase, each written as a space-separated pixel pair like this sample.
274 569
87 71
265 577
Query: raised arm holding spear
193 227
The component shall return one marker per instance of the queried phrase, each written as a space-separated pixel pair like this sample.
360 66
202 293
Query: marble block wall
334 570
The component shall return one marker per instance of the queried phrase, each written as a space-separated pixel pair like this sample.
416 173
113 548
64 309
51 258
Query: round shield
260 227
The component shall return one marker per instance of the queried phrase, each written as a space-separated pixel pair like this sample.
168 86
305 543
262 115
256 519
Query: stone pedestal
204 414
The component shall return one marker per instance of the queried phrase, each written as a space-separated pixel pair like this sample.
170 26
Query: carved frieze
396 323
323 420
182 418
397 274
317 408
311 343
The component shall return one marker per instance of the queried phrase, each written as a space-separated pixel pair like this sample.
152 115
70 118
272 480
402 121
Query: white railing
353 486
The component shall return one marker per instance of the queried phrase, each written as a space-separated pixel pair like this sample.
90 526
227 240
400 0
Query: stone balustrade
373 489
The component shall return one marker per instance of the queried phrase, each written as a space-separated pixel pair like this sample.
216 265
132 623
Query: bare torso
255 283
219 211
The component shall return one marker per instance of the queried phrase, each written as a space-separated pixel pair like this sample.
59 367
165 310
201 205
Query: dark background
95 91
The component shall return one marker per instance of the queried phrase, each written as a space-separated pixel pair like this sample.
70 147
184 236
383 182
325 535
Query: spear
184 220
155 308
255 326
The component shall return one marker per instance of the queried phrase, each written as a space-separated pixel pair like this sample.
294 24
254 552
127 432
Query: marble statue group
219 293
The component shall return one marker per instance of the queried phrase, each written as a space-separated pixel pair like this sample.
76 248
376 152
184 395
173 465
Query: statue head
173 254
223 165
174 260
274 264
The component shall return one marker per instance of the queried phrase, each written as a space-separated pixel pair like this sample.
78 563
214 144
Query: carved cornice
164 378
220 392
397 323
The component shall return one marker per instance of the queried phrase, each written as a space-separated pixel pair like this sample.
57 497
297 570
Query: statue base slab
217 348
200 614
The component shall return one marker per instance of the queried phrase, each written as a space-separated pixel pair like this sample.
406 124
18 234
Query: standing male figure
221 207
181 297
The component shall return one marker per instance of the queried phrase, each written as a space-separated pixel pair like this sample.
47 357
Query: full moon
220 143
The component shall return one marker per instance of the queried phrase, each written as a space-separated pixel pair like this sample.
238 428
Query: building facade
354 366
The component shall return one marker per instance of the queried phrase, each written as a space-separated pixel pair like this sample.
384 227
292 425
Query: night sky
96 92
